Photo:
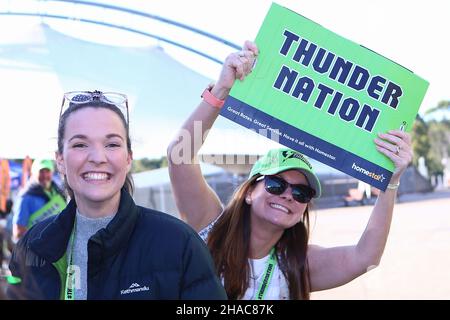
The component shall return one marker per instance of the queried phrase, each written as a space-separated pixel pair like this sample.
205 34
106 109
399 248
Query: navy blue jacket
141 254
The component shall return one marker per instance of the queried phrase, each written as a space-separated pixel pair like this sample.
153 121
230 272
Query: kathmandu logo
378 177
134 288
291 154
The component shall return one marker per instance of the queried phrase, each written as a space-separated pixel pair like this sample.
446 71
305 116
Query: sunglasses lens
78 97
118 100
302 194
114 98
274 185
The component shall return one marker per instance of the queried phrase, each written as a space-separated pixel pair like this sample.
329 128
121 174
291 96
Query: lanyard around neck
69 292
270 266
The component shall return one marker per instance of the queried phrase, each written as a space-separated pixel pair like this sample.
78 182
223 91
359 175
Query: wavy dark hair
128 185
229 243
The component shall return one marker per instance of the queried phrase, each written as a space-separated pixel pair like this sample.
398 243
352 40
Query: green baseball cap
282 159
39 164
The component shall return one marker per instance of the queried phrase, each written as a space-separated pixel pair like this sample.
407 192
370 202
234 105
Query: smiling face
95 158
279 211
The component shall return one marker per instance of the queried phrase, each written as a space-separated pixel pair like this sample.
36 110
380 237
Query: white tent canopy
39 64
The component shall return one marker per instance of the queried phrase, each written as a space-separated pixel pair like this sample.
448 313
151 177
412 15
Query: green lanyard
270 266
69 292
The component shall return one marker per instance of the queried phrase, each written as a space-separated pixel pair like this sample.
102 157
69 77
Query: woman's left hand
237 65
396 145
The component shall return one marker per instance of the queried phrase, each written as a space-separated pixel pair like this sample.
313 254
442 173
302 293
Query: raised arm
197 203
333 267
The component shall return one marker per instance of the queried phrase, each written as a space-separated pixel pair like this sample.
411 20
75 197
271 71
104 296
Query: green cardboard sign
325 96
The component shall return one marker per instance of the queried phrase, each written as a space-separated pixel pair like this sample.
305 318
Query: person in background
40 199
260 239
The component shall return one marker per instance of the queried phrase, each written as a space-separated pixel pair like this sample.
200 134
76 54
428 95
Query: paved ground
416 261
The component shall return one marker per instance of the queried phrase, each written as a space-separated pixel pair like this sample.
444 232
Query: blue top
32 199
28 204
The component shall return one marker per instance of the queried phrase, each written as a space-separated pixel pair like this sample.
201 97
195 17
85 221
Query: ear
248 197
129 161
60 163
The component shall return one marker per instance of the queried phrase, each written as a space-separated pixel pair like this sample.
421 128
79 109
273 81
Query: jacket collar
117 233
36 190
51 243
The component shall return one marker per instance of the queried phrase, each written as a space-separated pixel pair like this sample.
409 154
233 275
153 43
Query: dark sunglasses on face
277 185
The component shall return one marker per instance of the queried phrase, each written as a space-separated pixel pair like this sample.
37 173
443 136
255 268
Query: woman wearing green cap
259 240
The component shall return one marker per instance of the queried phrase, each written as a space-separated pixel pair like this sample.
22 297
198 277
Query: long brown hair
128 185
229 243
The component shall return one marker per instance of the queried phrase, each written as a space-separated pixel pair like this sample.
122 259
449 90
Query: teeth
277 206
95 176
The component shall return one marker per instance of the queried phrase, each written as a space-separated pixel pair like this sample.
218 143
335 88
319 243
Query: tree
443 105
431 140
439 136
146 164
420 140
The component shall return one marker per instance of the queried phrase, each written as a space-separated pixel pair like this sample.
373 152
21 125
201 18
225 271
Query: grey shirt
85 228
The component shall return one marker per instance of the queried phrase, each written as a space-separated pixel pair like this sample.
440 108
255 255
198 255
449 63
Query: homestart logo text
378 177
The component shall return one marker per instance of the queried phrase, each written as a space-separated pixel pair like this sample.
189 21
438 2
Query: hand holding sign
396 145
237 65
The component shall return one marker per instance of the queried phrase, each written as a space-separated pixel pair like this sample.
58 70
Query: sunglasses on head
82 97
277 185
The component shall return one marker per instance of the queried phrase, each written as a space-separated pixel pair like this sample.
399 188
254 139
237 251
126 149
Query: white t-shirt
277 289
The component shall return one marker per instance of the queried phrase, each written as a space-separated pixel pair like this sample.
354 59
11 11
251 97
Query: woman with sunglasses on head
259 240
104 246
